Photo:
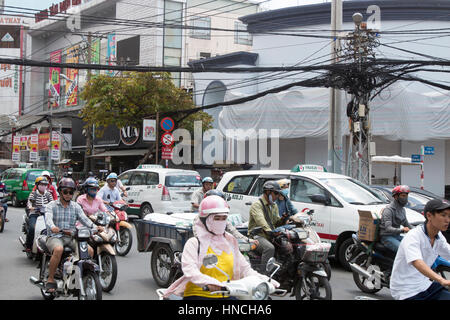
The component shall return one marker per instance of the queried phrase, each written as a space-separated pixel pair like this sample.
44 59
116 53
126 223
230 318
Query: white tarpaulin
399 113
394 160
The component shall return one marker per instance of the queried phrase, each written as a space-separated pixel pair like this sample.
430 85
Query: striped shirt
37 199
56 215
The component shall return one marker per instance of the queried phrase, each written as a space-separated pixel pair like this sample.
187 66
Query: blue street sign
415 158
167 124
429 150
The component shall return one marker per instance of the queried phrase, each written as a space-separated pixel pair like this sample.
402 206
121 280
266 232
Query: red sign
166 153
62 7
167 139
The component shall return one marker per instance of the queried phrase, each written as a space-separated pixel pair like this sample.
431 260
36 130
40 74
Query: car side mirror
320 198
127 188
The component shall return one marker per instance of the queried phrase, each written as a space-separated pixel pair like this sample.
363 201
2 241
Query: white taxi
335 199
156 189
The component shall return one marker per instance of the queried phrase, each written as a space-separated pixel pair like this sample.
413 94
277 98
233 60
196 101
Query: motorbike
2 214
121 227
248 288
372 263
303 259
39 229
104 252
77 274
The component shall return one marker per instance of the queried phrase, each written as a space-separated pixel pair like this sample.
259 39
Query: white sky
44 4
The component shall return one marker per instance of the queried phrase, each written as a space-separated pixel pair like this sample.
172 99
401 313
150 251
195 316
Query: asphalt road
134 281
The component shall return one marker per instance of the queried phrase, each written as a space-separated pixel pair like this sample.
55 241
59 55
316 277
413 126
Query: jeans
266 249
391 242
30 234
434 292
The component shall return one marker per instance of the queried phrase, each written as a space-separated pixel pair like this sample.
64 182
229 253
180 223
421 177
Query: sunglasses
66 192
112 180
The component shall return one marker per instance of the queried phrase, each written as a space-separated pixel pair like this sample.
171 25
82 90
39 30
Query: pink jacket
97 205
192 260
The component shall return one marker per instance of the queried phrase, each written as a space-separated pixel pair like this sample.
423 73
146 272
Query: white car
156 189
334 198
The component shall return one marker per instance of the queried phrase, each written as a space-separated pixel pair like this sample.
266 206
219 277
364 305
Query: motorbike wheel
2 221
161 265
313 287
345 253
364 284
92 286
126 240
109 275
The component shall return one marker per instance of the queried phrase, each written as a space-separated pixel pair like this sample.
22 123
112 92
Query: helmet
283 182
45 174
215 192
272 186
41 180
91 174
212 205
91 182
67 183
207 179
400 189
112 175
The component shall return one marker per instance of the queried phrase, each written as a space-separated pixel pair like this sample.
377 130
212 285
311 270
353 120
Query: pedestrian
412 277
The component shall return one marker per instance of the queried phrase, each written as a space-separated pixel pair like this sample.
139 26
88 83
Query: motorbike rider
50 186
211 239
393 217
89 201
40 197
5 192
109 193
198 195
264 214
412 278
284 203
62 214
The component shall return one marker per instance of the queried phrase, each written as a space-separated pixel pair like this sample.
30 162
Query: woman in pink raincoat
211 239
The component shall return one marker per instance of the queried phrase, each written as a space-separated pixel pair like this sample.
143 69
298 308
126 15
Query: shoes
6 220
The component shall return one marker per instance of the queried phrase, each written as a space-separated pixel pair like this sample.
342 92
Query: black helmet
272 185
67 183
215 192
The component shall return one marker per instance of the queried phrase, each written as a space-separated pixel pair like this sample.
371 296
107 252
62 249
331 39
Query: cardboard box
368 222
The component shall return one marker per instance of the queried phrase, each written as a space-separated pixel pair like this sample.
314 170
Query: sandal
50 287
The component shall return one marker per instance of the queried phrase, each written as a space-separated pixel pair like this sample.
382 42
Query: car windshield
183 180
417 199
32 175
352 191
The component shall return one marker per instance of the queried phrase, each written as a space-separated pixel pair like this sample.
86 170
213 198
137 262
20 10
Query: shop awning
121 153
394 160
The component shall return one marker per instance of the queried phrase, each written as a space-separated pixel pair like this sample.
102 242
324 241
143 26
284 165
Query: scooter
77 274
2 214
248 288
122 227
104 252
39 229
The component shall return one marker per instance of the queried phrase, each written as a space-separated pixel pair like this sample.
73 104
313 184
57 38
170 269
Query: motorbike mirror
130 201
272 266
210 261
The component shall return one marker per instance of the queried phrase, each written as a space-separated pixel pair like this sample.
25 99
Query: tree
126 100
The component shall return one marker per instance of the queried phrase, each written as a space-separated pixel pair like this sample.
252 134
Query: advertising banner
34 139
23 143
43 141
54 90
16 149
149 130
56 146
111 52
95 55
72 56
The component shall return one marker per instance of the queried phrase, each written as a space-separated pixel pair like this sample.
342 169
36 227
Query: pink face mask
216 226
42 188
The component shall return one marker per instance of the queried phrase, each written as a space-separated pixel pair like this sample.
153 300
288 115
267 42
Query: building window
205 55
202 28
242 37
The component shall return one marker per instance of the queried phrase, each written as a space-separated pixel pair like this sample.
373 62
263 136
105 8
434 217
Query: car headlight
261 291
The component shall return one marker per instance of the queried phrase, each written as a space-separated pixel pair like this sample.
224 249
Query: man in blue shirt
109 193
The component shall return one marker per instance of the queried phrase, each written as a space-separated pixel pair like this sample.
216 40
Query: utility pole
89 142
334 120
360 45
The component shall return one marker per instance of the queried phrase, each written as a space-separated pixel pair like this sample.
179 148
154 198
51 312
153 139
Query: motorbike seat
42 241
384 250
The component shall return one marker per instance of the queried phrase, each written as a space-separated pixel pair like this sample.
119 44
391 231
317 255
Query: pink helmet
212 205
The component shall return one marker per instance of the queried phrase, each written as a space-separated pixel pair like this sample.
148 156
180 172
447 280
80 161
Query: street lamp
357 18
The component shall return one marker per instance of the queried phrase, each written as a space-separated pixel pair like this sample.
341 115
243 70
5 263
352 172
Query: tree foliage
126 100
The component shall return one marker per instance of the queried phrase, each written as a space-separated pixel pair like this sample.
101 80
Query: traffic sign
167 124
166 153
429 150
167 139
415 158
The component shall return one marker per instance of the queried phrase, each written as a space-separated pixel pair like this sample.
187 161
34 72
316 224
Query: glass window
242 37
302 191
257 188
138 179
183 180
173 15
125 178
202 28
152 178
352 191
240 184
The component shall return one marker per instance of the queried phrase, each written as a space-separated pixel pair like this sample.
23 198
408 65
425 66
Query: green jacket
257 218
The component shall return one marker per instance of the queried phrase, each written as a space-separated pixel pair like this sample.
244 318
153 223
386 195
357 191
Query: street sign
429 150
167 124
415 158
166 153
167 139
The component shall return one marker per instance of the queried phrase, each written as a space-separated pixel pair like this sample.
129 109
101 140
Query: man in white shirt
412 278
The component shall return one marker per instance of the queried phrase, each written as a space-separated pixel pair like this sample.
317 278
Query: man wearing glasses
264 214
109 193
62 215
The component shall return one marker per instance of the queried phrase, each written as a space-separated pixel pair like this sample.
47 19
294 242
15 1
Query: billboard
54 90
71 96
9 83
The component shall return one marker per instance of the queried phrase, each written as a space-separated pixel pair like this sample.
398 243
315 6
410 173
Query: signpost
167 125
415 158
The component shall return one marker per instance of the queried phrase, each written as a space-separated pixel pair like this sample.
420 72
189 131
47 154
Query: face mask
92 193
42 188
216 226
402 201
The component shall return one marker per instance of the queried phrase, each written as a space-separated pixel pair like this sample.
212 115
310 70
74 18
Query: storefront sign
56 146
53 10
129 135
34 139
111 52
16 149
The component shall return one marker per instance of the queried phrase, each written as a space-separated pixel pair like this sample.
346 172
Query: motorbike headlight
261 291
